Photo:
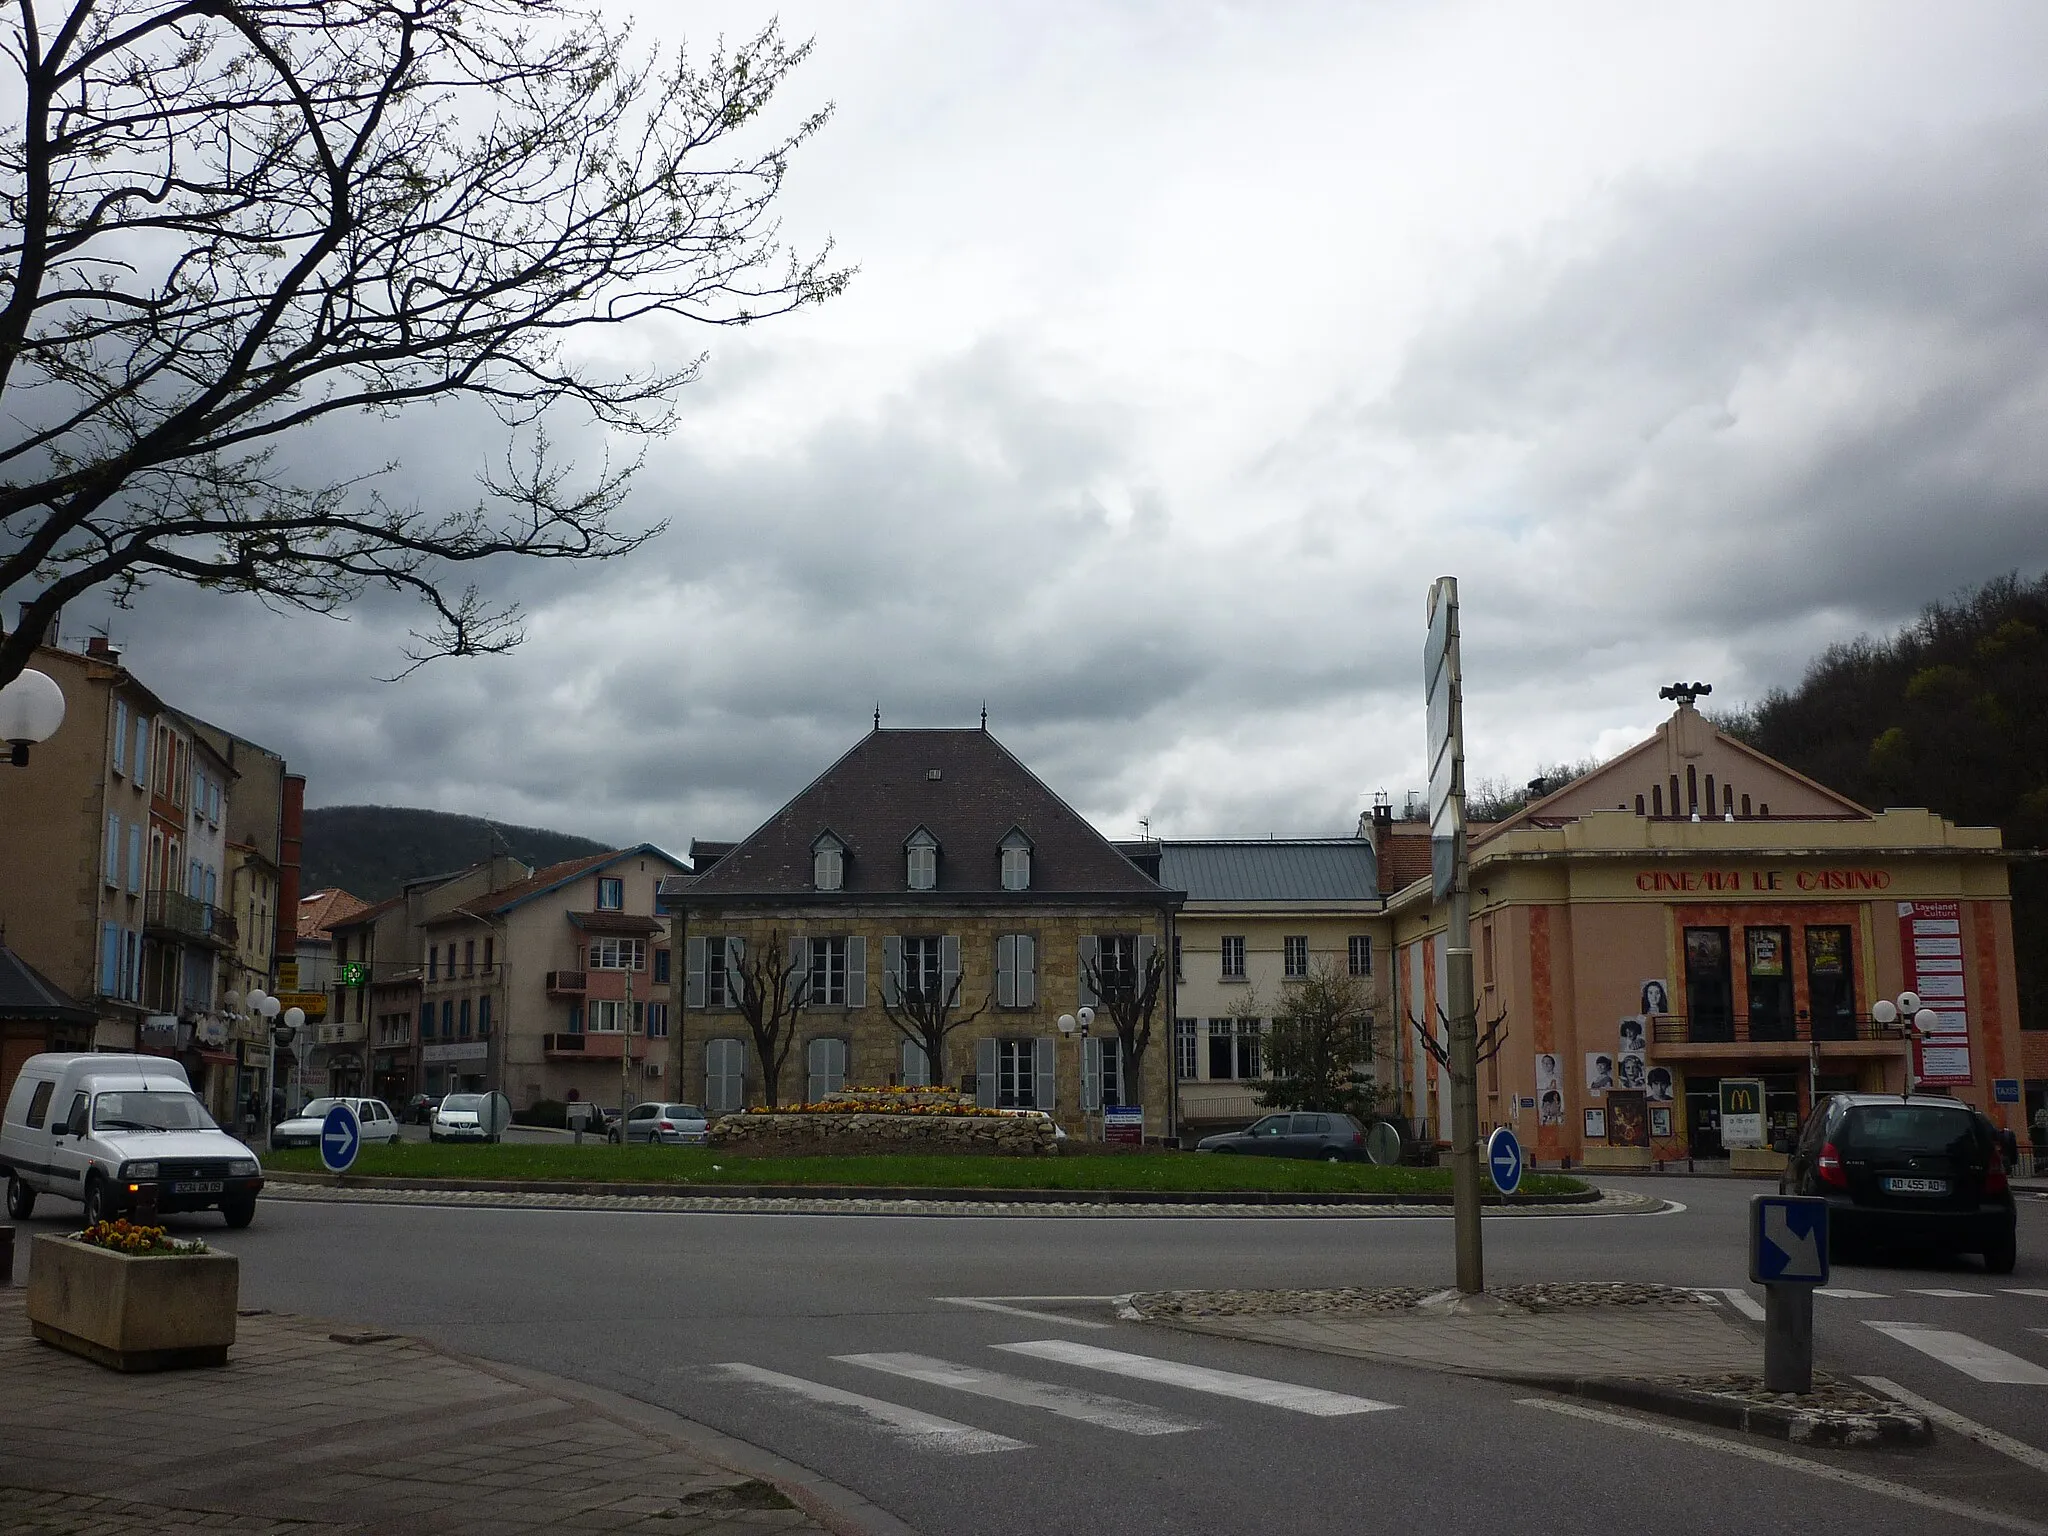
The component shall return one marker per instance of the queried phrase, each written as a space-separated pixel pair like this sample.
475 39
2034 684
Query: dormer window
921 858
1016 861
828 863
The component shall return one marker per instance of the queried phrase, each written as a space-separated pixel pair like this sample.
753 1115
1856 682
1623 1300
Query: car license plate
196 1187
1916 1186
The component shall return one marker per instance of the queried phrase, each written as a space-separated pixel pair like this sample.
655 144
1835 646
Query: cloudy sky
1191 341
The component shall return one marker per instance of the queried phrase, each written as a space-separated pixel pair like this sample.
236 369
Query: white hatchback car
303 1129
462 1117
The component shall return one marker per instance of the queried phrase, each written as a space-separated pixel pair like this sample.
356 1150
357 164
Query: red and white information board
1931 940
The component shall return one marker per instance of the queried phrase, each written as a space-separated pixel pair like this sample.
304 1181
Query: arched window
921 861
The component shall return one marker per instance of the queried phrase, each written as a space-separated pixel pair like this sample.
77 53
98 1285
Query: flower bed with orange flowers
125 1236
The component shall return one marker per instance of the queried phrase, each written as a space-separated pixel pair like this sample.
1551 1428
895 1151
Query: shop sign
470 1050
1739 882
1742 1112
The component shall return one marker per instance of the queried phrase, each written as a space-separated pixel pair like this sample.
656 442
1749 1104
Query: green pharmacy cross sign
354 973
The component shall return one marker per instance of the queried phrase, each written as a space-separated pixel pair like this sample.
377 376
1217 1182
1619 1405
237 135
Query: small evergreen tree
1319 1047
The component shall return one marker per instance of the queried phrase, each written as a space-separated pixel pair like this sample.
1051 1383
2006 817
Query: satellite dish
1383 1145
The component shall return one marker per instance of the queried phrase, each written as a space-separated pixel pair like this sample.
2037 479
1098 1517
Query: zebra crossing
928 1431
1959 1351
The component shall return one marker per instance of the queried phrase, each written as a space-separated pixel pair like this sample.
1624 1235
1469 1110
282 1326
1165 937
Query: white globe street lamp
31 710
1916 1019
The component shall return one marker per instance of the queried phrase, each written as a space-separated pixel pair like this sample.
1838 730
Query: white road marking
2005 1445
1068 1402
985 1304
1971 1356
2020 1290
1790 1463
1946 1294
924 1429
1843 1293
1198 1378
1740 1300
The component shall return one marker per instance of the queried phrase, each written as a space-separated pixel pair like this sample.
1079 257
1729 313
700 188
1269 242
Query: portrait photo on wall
1656 997
1657 1085
1549 1089
1660 1121
1596 1124
1629 1070
1599 1071
1628 1120
1632 1037
1550 1107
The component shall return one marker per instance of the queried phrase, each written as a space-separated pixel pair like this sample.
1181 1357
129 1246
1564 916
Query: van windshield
150 1109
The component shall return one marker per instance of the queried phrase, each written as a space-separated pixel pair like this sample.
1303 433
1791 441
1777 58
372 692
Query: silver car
669 1124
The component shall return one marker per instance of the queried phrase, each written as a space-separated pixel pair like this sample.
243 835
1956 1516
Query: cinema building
1693 911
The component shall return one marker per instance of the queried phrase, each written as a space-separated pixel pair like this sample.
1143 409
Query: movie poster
1628 1120
1766 952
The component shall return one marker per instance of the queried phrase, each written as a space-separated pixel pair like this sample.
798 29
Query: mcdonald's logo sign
1742 1096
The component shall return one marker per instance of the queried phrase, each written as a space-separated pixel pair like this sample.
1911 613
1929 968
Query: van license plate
1916 1186
196 1187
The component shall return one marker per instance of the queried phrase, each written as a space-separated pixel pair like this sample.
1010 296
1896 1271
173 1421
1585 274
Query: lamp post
267 1008
1071 1023
31 710
294 1022
1914 1019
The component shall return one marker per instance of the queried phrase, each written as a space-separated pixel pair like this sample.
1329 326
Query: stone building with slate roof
929 854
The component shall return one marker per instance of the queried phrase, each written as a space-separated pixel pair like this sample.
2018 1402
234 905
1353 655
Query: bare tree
774 983
924 1007
226 221
1129 994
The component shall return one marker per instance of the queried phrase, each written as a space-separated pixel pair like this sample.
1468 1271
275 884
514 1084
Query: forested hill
1951 714
372 850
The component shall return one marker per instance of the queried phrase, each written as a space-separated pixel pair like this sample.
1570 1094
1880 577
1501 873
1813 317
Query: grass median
696 1166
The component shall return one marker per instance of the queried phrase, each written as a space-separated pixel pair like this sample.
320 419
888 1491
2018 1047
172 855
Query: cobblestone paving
1390 1299
310 1431
1610 1203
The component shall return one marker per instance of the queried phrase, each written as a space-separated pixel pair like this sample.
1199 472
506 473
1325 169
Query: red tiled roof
541 879
323 909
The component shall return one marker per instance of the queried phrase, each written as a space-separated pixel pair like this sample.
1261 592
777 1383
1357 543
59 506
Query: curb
928 1193
1800 1426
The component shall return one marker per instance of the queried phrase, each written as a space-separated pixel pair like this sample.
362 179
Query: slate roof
1302 869
881 791
26 993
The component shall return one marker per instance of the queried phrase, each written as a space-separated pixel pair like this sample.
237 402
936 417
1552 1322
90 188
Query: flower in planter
125 1236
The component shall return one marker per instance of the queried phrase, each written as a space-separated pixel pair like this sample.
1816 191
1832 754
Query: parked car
373 1116
669 1124
592 1118
419 1109
1921 1172
461 1117
1331 1138
102 1129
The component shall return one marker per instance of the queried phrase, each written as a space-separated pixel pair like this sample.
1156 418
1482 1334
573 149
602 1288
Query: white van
101 1129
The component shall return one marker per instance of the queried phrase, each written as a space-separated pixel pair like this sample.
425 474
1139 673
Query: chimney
101 648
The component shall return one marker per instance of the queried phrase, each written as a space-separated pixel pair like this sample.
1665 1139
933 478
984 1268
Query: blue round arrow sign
341 1137
1504 1160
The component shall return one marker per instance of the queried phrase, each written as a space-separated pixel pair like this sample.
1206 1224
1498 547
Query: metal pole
1788 1338
269 1082
1465 1192
626 1057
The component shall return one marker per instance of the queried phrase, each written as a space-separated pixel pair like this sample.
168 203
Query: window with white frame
828 972
1361 954
1233 957
1016 1074
607 1017
1116 961
1234 1048
921 854
923 966
1294 956
607 954
1016 862
611 895
719 990
1187 1056
657 1021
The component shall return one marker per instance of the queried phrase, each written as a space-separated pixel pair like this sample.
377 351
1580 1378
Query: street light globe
270 1007
255 999
1909 1003
1066 1023
31 709
231 1000
1882 1012
295 1017
1086 1016
1925 1020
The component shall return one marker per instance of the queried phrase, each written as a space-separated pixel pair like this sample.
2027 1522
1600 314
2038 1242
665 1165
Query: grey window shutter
1006 971
892 970
693 979
1090 956
1146 944
949 964
985 1074
1091 1074
917 1072
735 978
1043 1059
856 971
1027 971
800 970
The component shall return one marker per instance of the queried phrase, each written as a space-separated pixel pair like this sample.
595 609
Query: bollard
1788 1338
6 1255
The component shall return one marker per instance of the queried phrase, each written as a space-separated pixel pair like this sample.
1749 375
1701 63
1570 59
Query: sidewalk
313 1430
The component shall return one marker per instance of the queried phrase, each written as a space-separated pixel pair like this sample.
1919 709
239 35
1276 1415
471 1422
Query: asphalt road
747 1323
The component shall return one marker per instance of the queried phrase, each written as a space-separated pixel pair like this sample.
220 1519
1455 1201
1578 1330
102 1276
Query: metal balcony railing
567 983
1681 1029
186 917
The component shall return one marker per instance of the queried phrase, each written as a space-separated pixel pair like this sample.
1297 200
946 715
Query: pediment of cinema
1689 766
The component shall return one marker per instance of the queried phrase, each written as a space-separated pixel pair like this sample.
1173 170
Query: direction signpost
341 1137
1504 1160
1788 1257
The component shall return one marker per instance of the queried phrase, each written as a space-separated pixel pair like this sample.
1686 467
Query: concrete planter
133 1314
1602 1158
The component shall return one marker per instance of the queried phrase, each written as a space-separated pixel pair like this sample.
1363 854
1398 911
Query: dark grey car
1923 1172
1326 1137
